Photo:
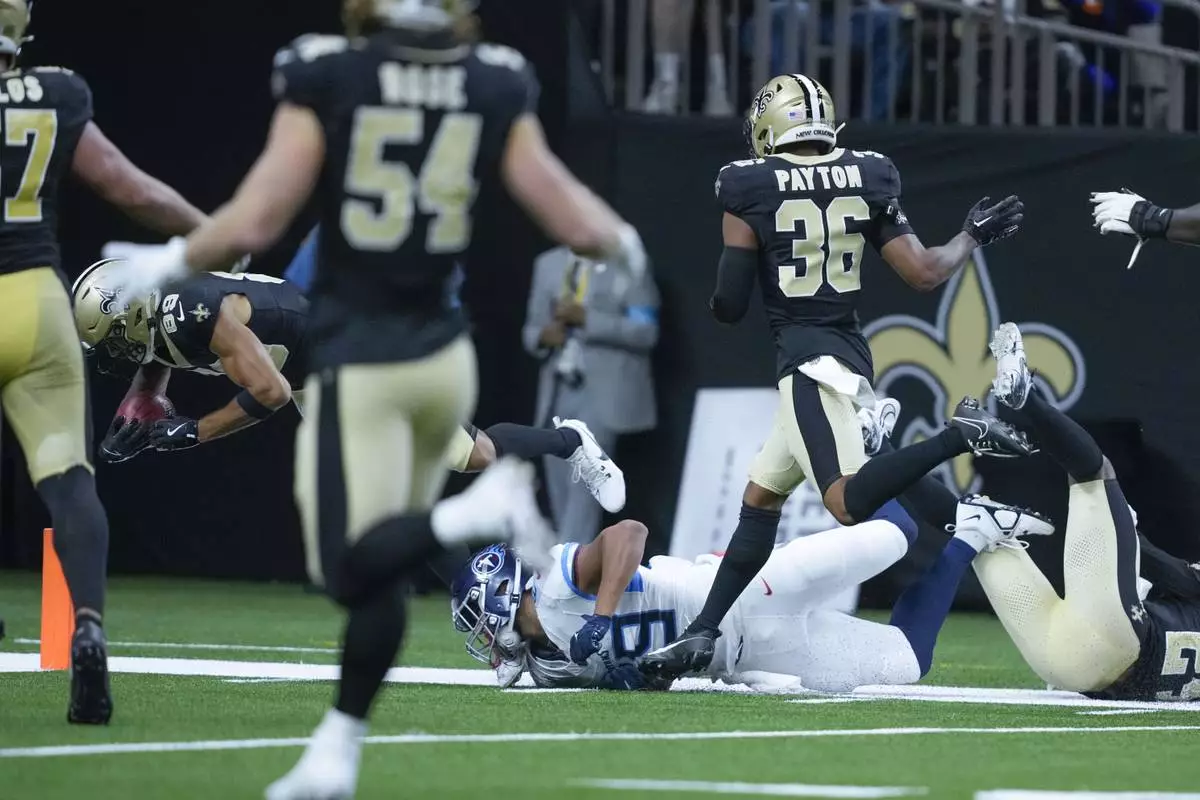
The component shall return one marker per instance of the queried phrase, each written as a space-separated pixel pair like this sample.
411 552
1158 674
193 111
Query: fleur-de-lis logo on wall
951 359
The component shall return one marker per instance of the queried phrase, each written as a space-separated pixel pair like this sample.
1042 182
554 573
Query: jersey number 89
444 189
816 264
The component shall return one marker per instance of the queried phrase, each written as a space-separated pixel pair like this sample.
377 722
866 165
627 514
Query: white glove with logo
1113 210
146 267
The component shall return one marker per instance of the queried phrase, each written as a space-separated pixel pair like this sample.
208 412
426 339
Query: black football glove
620 675
986 224
176 433
124 441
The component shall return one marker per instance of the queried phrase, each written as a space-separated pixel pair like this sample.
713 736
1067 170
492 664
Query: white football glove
631 253
146 267
1111 215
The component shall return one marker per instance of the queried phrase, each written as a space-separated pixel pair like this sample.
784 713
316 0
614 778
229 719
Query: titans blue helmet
484 598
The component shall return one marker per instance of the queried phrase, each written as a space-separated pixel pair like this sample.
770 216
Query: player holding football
1103 637
397 127
255 330
47 117
588 620
797 217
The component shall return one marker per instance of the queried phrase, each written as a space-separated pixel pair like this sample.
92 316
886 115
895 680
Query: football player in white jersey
597 611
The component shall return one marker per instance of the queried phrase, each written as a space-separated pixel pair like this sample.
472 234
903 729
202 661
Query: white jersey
776 627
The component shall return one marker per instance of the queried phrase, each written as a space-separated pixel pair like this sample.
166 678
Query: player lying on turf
1099 638
254 330
592 617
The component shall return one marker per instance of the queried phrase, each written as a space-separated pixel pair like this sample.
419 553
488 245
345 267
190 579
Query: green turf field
467 741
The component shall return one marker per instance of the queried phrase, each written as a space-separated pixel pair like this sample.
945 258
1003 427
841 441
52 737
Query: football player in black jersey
397 126
797 218
49 134
254 330
1111 634
1131 214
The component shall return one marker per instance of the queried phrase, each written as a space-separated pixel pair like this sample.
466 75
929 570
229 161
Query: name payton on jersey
804 179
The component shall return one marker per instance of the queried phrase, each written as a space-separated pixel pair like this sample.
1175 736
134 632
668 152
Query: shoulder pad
868 154
498 55
745 162
58 70
310 47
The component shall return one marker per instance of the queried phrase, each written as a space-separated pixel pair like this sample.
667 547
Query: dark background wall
184 91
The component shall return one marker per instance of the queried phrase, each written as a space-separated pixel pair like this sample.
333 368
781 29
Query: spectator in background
671 21
593 329
871 26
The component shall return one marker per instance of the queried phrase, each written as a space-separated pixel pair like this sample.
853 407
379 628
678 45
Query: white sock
667 65
340 725
976 540
450 519
716 72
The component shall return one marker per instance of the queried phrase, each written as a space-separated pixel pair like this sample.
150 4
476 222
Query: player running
397 127
1102 637
588 620
49 133
255 330
797 217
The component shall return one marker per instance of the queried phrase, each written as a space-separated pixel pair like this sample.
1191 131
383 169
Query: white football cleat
987 525
500 506
877 424
1013 380
602 477
328 770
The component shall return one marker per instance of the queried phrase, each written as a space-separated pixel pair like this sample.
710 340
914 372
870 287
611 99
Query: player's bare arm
270 197
735 271
604 568
102 166
926 268
567 210
246 361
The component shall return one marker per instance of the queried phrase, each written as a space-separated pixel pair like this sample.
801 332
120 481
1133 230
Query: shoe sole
94 706
691 663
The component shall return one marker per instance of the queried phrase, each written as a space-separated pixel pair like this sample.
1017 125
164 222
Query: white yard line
511 738
245 648
767 789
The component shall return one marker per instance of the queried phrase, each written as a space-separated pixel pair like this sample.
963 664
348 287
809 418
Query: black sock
384 555
80 536
929 498
529 443
890 474
1062 438
748 551
370 643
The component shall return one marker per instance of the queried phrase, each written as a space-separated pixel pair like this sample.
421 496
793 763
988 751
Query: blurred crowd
700 56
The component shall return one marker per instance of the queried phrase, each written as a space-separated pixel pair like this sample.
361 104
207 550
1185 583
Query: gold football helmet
14 19
362 17
791 109
115 334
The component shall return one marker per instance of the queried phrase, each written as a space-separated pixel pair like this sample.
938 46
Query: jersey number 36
824 252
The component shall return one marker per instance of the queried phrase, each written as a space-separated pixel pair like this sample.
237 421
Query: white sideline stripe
770 789
284 671
1111 712
246 648
1034 794
509 738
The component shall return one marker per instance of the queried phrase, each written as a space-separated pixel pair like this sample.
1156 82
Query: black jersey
186 315
813 215
1168 667
43 112
411 122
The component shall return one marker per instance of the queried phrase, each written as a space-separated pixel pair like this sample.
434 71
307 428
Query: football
146 406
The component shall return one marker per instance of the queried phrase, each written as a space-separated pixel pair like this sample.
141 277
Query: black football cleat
91 699
986 435
692 652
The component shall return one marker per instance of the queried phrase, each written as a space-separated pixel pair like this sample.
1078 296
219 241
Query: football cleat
603 478
692 652
91 698
877 423
1013 380
328 770
499 506
987 525
985 434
